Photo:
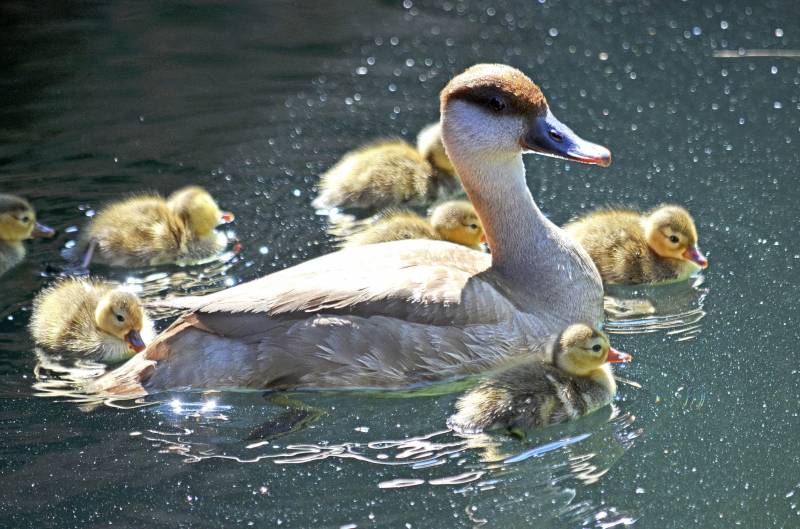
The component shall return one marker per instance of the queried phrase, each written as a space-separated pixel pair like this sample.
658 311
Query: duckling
454 221
389 173
571 379
149 230
89 319
17 223
631 248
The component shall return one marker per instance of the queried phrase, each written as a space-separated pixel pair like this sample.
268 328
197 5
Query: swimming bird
454 221
17 223
572 379
149 230
89 319
403 312
389 173
629 247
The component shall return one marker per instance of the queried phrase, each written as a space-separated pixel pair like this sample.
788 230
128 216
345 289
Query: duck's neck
515 227
605 377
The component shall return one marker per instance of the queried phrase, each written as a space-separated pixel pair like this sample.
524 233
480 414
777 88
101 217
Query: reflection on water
534 479
676 308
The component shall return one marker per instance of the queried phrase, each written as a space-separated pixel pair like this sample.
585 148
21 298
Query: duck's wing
427 282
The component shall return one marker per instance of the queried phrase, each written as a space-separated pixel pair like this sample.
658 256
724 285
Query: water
253 100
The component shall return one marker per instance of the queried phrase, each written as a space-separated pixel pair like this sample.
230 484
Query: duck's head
457 221
198 209
120 314
494 110
582 348
671 233
18 220
430 145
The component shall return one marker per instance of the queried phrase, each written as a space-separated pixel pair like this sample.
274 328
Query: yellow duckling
454 221
17 223
388 174
149 230
630 248
82 318
572 379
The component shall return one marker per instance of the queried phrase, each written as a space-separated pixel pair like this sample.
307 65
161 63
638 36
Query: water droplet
778 32
553 32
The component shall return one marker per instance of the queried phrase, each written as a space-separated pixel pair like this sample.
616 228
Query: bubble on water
723 24
553 32
264 250
361 70
778 32
696 31
777 105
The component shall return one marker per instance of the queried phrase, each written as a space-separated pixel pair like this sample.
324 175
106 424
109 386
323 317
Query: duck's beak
135 341
694 255
618 356
548 136
483 238
40 231
227 216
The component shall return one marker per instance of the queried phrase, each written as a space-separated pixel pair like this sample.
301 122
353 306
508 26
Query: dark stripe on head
13 204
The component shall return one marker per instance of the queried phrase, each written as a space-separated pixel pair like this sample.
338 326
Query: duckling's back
526 396
138 231
393 226
616 242
378 175
63 318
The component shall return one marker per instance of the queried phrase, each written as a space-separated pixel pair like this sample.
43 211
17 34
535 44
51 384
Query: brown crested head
488 84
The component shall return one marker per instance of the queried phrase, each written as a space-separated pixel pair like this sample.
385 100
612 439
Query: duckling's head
456 221
430 145
120 314
494 112
582 348
198 210
671 233
18 220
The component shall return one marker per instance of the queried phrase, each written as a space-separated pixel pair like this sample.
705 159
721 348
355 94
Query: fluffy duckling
454 221
82 318
17 223
572 379
630 248
388 174
149 230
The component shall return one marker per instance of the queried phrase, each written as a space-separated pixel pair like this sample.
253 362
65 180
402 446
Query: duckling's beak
135 341
40 230
694 255
227 216
483 238
548 136
618 356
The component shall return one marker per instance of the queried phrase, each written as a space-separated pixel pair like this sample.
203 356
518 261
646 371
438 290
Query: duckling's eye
674 239
556 136
597 348
473 226
26 219
496 104
120 317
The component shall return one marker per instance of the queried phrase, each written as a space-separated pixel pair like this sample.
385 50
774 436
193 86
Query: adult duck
404 312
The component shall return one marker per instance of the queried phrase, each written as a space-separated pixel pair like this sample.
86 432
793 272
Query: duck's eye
597 348
120 318
674 239
473 226
26 219
557 137
496 104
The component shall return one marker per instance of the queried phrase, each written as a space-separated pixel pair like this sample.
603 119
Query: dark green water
253 100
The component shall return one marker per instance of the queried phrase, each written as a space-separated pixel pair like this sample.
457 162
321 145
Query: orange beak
694 255
618 356
135 341
227 216
483 238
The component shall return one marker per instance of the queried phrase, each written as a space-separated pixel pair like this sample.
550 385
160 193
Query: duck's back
393 226
532 394
63 317
379 175
616 242
137 231
11 254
